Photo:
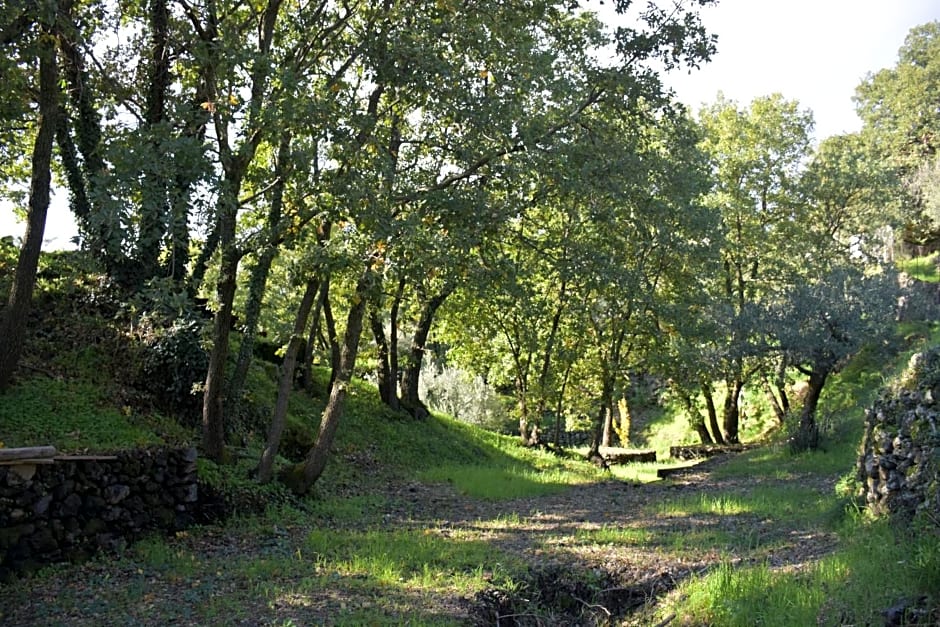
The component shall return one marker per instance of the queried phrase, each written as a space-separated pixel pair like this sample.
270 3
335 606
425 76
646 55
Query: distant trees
901 126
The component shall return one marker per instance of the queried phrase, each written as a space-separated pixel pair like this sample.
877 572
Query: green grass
874 568
922 268
71 415
875 564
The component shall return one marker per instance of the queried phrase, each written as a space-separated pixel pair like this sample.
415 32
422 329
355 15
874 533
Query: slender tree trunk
286 384
393 366
315 462
259 275
522 397
606 436
549 350
155 207
780 382
732 410
213 426
410 378
313 337
94 216
13 320
775 403
559 406
385 376
712 411
205 254
335 348
607 393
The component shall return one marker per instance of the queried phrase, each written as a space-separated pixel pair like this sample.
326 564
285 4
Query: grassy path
418 553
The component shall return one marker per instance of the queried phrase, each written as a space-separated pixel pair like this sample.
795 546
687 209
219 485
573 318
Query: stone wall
899 464
67 510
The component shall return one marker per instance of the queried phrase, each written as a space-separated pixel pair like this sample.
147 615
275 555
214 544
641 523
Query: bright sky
813 51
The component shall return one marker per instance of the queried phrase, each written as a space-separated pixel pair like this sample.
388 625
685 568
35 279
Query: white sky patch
813 51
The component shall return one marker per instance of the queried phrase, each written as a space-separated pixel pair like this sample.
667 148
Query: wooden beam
29 452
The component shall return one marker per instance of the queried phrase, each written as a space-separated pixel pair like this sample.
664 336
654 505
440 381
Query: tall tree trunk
313 466
606 436
259 274
234 165
155 206
393 366
411 400
333 337
775 403
559 406
607 394
313 337
13 320
523 406
257 285
385 376
205 254
549 350
712 411
732 410
95 216
286 383
213 427
780 382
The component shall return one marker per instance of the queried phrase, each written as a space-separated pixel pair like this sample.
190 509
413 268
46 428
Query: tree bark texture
712 412
259 275
13 322
732 410
286 384
316 459
807 435
384 372
410 377
697 420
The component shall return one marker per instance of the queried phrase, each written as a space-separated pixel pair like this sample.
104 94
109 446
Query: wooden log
29 452
22 462
628 458
702 451
672 471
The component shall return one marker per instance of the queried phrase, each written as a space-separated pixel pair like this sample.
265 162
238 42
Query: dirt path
633 541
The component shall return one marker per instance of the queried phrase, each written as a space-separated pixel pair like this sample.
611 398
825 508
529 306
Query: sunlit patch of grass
630 536
782 502
922 268
874 569
423 559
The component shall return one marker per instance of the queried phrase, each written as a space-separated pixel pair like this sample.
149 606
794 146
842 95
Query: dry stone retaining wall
899 465
67 510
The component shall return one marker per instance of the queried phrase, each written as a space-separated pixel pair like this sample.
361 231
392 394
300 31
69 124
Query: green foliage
465 397
173 360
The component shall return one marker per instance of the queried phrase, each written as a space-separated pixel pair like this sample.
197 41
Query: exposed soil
572 578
